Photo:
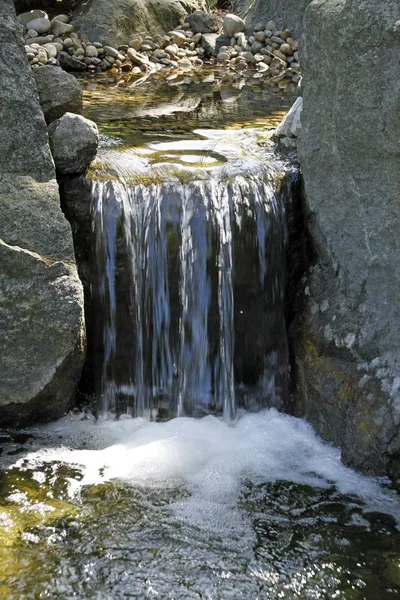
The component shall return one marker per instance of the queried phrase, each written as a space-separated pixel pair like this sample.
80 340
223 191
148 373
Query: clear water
189 508
192 508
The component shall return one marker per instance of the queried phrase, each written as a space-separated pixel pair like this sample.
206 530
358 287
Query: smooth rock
73 142
51 50
233 24
59 28
41 25
26 17
62 18
41 39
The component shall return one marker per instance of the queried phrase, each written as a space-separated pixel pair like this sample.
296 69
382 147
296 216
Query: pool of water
189 508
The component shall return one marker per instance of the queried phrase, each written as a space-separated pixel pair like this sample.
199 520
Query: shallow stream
189 508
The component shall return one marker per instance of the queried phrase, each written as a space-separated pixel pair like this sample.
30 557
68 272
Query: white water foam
210 458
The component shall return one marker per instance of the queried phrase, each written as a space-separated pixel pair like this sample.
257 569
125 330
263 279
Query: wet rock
73 142
177 37
59 93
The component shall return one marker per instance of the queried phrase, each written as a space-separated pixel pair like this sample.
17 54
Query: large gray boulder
73 141
59 92
41 300
113 22
346 336
285 13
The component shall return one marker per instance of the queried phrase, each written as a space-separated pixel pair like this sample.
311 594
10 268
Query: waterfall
190 286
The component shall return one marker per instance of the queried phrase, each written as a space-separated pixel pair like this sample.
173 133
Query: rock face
73 142
41 300
115 21
346 336
59 92
285 13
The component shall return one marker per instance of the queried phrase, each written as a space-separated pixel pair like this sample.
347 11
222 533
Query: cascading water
191 284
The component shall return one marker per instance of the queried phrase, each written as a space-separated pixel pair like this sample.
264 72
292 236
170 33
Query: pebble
267 56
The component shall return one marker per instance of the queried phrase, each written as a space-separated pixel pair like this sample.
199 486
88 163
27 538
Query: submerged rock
73 142
346 335
41 300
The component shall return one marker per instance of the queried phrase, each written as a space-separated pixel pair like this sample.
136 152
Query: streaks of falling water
176 244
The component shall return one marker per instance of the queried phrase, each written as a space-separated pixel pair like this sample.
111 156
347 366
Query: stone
233 24
202 22
41 39
256 47
209 44
136 43
111 51
73 142
288 13
41 25
346 333
26 17
260 36
51 50
177 37
286 49
91 51
60 28
41 300
59 92
70 63
62 18
31 33
291 124
113 22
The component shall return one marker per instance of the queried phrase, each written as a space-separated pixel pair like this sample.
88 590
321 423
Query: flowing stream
188 482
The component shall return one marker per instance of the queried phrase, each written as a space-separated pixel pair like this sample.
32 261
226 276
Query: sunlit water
189 508
193 508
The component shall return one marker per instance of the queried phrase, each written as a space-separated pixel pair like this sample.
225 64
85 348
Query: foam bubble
210 458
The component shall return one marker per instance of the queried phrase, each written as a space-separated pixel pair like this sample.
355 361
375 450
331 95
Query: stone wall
41 298
346 335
